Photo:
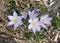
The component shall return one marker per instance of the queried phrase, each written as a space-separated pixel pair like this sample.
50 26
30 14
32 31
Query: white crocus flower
46 19
34 25
33 14
15 19
24 14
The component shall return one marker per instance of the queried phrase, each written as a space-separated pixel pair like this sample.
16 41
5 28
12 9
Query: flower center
34 23
43 19
15 20
24 14
32 15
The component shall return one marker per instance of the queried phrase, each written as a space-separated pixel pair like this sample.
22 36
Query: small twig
56 37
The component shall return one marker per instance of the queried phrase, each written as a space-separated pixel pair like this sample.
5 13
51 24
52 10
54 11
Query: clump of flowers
32 22
35 23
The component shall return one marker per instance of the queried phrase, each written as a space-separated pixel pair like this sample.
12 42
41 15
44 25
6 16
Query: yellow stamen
43 19
32 15
15 20
34 23
24 14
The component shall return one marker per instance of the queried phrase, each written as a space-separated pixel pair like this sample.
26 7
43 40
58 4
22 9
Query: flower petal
50 18
34 30
30 27
38 29
47 22
36 14
24 17
46 15
10 17
10 23
24 14
20 23
36 19
30 20
33 11
29 12
21 12
43 25
16 25
20 17
15 14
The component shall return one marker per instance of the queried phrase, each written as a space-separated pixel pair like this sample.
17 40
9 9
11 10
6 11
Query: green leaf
39 36
12 4
10 11
28 35
56 22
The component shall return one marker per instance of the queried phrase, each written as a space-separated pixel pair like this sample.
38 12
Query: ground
9 35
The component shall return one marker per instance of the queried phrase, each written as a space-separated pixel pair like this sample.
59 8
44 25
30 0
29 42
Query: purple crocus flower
15 19
32 14
24 14
45 19
34 25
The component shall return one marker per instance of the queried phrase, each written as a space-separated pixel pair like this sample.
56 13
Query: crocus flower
34 25
46 19
24 14
32 14
15 19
